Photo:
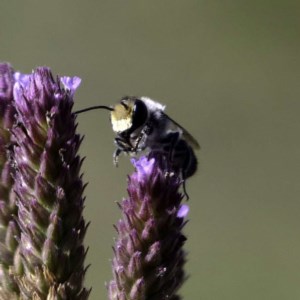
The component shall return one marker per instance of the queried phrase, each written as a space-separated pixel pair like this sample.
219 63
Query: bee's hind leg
184 190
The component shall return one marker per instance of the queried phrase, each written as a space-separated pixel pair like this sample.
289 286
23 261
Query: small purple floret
183 211
70 83
144 166
21 79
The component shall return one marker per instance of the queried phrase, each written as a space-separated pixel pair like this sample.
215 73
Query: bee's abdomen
179 153
184 158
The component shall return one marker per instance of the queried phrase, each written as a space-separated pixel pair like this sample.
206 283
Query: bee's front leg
123 145
116 154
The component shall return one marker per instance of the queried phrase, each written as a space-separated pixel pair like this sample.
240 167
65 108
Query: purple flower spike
49 188
9 231
149 257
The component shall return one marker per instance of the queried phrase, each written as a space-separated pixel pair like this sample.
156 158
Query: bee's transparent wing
186 135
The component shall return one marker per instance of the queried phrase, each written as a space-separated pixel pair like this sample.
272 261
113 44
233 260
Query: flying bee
141 124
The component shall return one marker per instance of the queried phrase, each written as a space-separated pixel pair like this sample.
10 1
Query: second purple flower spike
149 258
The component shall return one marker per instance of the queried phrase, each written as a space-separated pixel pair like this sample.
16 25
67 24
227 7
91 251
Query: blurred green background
229 72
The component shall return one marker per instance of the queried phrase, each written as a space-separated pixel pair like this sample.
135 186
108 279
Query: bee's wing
186 135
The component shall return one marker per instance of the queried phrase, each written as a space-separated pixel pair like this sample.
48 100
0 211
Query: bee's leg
116 154
184 190
140 143
118 151
141 140
123 145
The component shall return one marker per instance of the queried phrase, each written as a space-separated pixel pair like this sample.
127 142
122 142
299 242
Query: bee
140 123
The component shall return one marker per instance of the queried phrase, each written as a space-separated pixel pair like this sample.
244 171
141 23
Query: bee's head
130 113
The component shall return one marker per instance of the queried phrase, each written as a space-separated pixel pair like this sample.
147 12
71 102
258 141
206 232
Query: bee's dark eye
140 114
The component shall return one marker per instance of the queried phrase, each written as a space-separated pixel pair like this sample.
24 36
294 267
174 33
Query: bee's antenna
92 108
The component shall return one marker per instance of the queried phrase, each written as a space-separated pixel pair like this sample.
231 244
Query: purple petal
70 83
144 166
22 79
6 81
183 211
21 82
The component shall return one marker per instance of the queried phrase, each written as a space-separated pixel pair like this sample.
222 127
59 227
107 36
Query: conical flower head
149 258
49 187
